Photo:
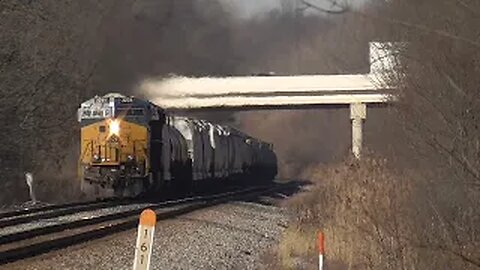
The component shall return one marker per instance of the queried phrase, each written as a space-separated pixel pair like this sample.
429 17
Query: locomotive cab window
135 112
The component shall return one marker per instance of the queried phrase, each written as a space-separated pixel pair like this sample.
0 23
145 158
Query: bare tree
438 115
55 54
415 206
332 6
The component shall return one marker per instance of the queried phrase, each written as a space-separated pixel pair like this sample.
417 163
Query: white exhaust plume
208 86
209 92
183 92
242 101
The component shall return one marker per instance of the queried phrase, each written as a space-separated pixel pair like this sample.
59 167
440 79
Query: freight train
130 147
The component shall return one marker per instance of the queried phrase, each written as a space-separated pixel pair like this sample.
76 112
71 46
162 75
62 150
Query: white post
358 112
320 261
29 179
143 248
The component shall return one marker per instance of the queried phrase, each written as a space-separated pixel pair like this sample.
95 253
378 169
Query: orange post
321 243
321 249
148 218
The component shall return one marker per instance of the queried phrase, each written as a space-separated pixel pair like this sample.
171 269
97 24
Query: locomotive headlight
115 127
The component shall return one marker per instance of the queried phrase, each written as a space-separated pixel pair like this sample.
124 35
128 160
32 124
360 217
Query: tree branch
336 8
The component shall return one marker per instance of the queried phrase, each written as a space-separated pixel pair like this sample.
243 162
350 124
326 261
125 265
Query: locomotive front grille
106 154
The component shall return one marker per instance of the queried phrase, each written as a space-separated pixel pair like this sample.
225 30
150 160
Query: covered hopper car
130 147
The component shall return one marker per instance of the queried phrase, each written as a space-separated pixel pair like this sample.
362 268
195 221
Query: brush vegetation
413 202
376 218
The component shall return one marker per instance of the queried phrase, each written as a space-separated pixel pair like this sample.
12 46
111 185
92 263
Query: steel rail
62 211
126 222
26 211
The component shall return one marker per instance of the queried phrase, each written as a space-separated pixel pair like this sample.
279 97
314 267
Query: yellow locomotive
114 144
131 147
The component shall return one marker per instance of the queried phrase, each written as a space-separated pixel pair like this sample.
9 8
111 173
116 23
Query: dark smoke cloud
286 45
303 45
154 38
301 138
58 54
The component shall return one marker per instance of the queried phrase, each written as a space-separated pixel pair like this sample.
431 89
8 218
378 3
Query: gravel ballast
229 236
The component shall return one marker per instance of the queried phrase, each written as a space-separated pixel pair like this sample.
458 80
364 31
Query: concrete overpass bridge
356 91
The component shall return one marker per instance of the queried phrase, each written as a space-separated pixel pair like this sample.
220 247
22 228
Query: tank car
131 147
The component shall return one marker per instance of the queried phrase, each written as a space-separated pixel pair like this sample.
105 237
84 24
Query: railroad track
51 211
36 209
31 242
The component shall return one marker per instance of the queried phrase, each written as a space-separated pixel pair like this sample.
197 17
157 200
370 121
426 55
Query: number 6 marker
143 248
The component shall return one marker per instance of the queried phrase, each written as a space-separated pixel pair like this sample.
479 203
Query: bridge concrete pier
358 113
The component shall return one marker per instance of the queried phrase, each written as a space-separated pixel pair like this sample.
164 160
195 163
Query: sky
250 8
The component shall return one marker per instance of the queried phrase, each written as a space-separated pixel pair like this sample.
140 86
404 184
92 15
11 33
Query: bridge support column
358 113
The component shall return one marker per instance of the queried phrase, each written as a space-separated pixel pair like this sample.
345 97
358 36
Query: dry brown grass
373 218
